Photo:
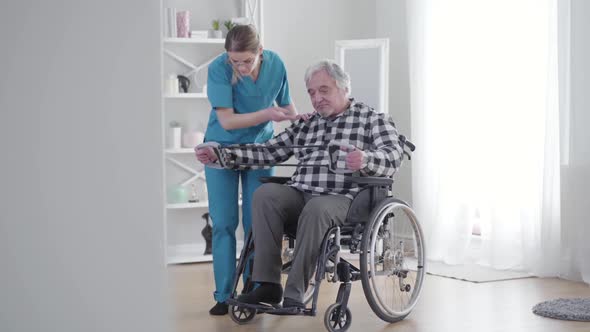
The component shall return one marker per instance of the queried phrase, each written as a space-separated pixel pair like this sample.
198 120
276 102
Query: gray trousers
276 208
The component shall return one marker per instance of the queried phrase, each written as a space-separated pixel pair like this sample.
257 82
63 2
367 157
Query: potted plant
229 25
216 33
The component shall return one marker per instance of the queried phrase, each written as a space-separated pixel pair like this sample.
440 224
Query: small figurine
207 233
184 82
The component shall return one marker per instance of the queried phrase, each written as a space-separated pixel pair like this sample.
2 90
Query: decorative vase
176 137
172 86
216 34
177 194
192 139
183 24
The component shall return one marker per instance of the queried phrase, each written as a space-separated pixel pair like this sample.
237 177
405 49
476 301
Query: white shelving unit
180 151
194 40
193 253
190 95
196 205
190 57
190 205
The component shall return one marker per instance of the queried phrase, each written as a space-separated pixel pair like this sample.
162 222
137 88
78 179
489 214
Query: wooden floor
445 305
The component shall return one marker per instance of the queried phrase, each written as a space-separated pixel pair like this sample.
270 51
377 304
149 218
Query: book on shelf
170 23
199 34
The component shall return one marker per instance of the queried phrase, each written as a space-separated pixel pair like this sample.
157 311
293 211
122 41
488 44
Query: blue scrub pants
222 187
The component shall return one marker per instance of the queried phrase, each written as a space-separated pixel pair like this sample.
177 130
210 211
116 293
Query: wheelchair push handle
218 153
406 143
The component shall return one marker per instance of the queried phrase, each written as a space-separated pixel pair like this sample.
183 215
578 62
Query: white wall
303 32
575 181
81 232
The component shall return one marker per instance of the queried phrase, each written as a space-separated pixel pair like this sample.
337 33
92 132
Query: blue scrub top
245 96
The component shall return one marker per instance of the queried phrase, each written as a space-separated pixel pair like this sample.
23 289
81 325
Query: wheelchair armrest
274 179
370 180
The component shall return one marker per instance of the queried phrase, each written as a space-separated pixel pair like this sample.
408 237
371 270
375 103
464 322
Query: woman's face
244 62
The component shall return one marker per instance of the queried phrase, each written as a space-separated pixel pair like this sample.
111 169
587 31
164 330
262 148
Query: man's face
326 97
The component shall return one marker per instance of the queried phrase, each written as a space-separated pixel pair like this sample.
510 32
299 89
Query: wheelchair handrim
381 215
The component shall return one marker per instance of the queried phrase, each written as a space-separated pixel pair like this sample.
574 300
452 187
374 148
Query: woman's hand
206 155
305 116
279 114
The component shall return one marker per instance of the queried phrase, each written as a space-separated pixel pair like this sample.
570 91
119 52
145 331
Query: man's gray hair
333 69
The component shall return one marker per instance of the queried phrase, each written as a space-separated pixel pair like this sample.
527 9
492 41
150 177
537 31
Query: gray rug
567 309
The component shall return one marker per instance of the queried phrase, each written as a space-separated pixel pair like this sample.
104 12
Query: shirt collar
346 112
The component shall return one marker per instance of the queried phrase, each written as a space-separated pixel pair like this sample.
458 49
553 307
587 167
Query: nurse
242 86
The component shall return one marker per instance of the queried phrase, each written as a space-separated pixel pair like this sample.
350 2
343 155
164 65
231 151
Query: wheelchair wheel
392 260
241 315
337 320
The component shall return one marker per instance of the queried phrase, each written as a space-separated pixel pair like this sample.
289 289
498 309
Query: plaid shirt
359 125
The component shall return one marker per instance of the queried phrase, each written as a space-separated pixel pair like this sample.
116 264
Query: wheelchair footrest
285 311
274 309
260 307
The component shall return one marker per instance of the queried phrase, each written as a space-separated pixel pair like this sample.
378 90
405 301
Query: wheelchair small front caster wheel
241 315
337 320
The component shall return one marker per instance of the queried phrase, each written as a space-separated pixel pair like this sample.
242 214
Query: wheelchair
383 230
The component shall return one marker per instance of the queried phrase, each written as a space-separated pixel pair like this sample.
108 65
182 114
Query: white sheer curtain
573 44
485 117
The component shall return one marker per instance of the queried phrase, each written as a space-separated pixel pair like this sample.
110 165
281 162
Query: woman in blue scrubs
242 86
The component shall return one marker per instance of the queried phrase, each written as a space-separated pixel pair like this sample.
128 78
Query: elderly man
315 198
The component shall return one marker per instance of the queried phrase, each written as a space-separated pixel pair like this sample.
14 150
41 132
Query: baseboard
192 253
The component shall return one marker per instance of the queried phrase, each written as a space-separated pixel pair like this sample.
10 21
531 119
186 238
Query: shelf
199 95
187 205
196 205
194 40
181 151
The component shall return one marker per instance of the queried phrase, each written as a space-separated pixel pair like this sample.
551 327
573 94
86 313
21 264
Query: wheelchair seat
372 191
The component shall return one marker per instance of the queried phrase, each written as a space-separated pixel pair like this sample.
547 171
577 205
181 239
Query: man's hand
356 160
206 155
279 114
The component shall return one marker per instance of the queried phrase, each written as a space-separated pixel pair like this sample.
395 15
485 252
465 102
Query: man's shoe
291 303
267 292
219 309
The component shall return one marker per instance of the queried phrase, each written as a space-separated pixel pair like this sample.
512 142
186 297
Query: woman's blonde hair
242 38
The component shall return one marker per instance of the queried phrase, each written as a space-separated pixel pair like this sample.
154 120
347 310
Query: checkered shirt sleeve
386 154
255 156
